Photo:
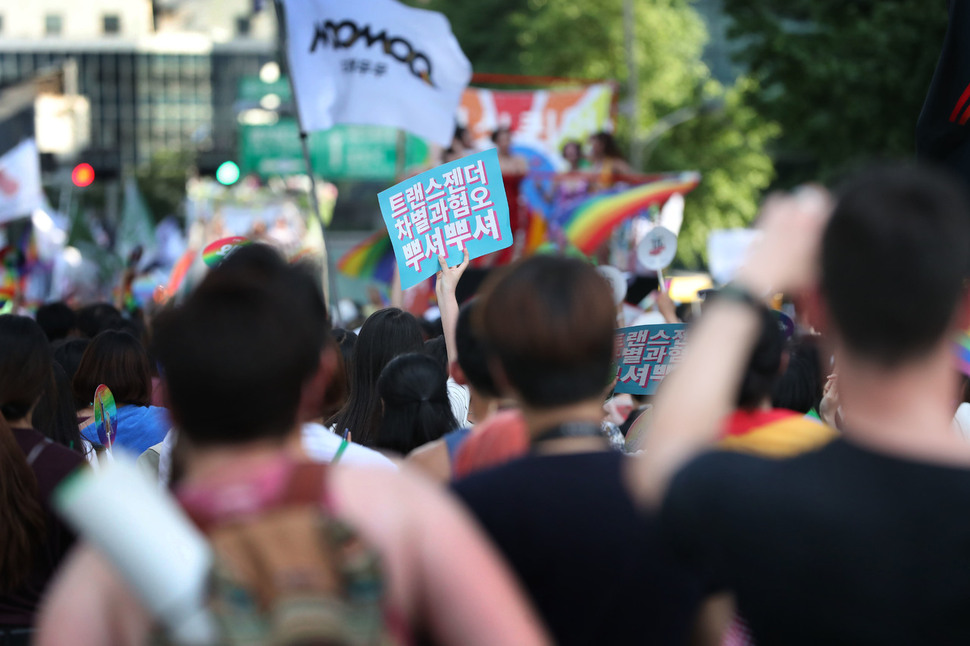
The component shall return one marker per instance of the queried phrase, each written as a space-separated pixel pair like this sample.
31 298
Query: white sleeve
460 398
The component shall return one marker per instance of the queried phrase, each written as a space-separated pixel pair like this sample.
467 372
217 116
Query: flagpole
329 279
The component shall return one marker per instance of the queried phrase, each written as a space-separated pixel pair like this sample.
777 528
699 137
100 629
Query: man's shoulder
531 477
718 479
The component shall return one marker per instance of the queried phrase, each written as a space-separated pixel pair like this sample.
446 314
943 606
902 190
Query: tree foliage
582 39
162 180
844 79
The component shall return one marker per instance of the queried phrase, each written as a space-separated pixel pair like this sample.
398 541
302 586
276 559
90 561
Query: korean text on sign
645 354
441 212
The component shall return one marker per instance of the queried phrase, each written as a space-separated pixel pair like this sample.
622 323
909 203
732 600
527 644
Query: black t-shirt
838 546
592 562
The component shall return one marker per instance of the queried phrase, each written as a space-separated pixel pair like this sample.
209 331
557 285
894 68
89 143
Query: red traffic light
82 175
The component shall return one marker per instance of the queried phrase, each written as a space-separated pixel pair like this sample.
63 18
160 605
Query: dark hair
899 230
500 131
56 320
414 392
92 319
25 365
437 349
431 329
472 353
238 352
764 363
608 142
25 360
346 341
133 327
550 322
68 354
55 414
117 360
385 334
572 143
800 387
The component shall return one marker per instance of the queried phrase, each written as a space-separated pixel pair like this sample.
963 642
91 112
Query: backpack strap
35 451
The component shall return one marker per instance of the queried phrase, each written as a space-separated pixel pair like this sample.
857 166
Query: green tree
844 79
162 180
722 137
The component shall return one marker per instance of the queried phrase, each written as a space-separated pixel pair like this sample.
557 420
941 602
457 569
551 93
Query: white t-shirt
460 399
321 444
962 420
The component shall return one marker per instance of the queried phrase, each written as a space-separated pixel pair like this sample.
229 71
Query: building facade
161 77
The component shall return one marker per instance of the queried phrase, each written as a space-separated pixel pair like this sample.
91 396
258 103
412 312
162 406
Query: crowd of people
806 490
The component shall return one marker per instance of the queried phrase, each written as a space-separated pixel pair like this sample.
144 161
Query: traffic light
227 173
82 175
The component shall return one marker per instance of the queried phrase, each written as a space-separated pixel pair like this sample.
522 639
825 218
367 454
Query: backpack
292 574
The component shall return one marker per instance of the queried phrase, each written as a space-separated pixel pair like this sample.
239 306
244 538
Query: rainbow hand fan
593 219
105 416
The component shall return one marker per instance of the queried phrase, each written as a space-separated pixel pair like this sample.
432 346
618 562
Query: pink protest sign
644 354
441 212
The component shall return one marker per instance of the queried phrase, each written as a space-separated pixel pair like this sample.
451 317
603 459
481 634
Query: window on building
53 24
112 23
243 26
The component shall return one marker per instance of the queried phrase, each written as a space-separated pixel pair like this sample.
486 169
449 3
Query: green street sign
343 152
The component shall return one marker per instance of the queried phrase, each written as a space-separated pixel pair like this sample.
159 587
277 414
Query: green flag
136 227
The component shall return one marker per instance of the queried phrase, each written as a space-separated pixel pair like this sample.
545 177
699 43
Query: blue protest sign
441 212
644 354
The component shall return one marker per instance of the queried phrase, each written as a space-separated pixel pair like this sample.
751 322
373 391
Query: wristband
739 294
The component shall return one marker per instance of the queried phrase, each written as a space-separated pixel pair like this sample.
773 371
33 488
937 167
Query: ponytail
22 523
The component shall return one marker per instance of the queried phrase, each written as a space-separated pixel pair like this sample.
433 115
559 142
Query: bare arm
89 604
700 392
443 575
431 460
447 283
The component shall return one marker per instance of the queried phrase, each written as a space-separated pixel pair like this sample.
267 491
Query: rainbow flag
592 220
961 351
371 259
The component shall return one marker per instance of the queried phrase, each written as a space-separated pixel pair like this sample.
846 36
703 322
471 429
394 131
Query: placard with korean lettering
644 354
441 212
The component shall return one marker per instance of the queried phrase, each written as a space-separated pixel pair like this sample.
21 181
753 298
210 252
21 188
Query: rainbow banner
592 220
372 259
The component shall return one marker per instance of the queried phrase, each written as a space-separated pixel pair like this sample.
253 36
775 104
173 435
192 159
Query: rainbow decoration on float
372 259
593 219
219 250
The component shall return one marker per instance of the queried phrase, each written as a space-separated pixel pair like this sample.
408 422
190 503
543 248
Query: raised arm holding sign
457 207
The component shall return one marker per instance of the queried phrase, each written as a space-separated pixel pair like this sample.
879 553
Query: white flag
20 191
375 62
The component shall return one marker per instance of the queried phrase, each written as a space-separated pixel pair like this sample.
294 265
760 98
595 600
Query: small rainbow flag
593 219
961 351
371 259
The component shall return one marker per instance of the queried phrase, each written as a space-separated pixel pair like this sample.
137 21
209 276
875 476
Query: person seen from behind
256 330
863 541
